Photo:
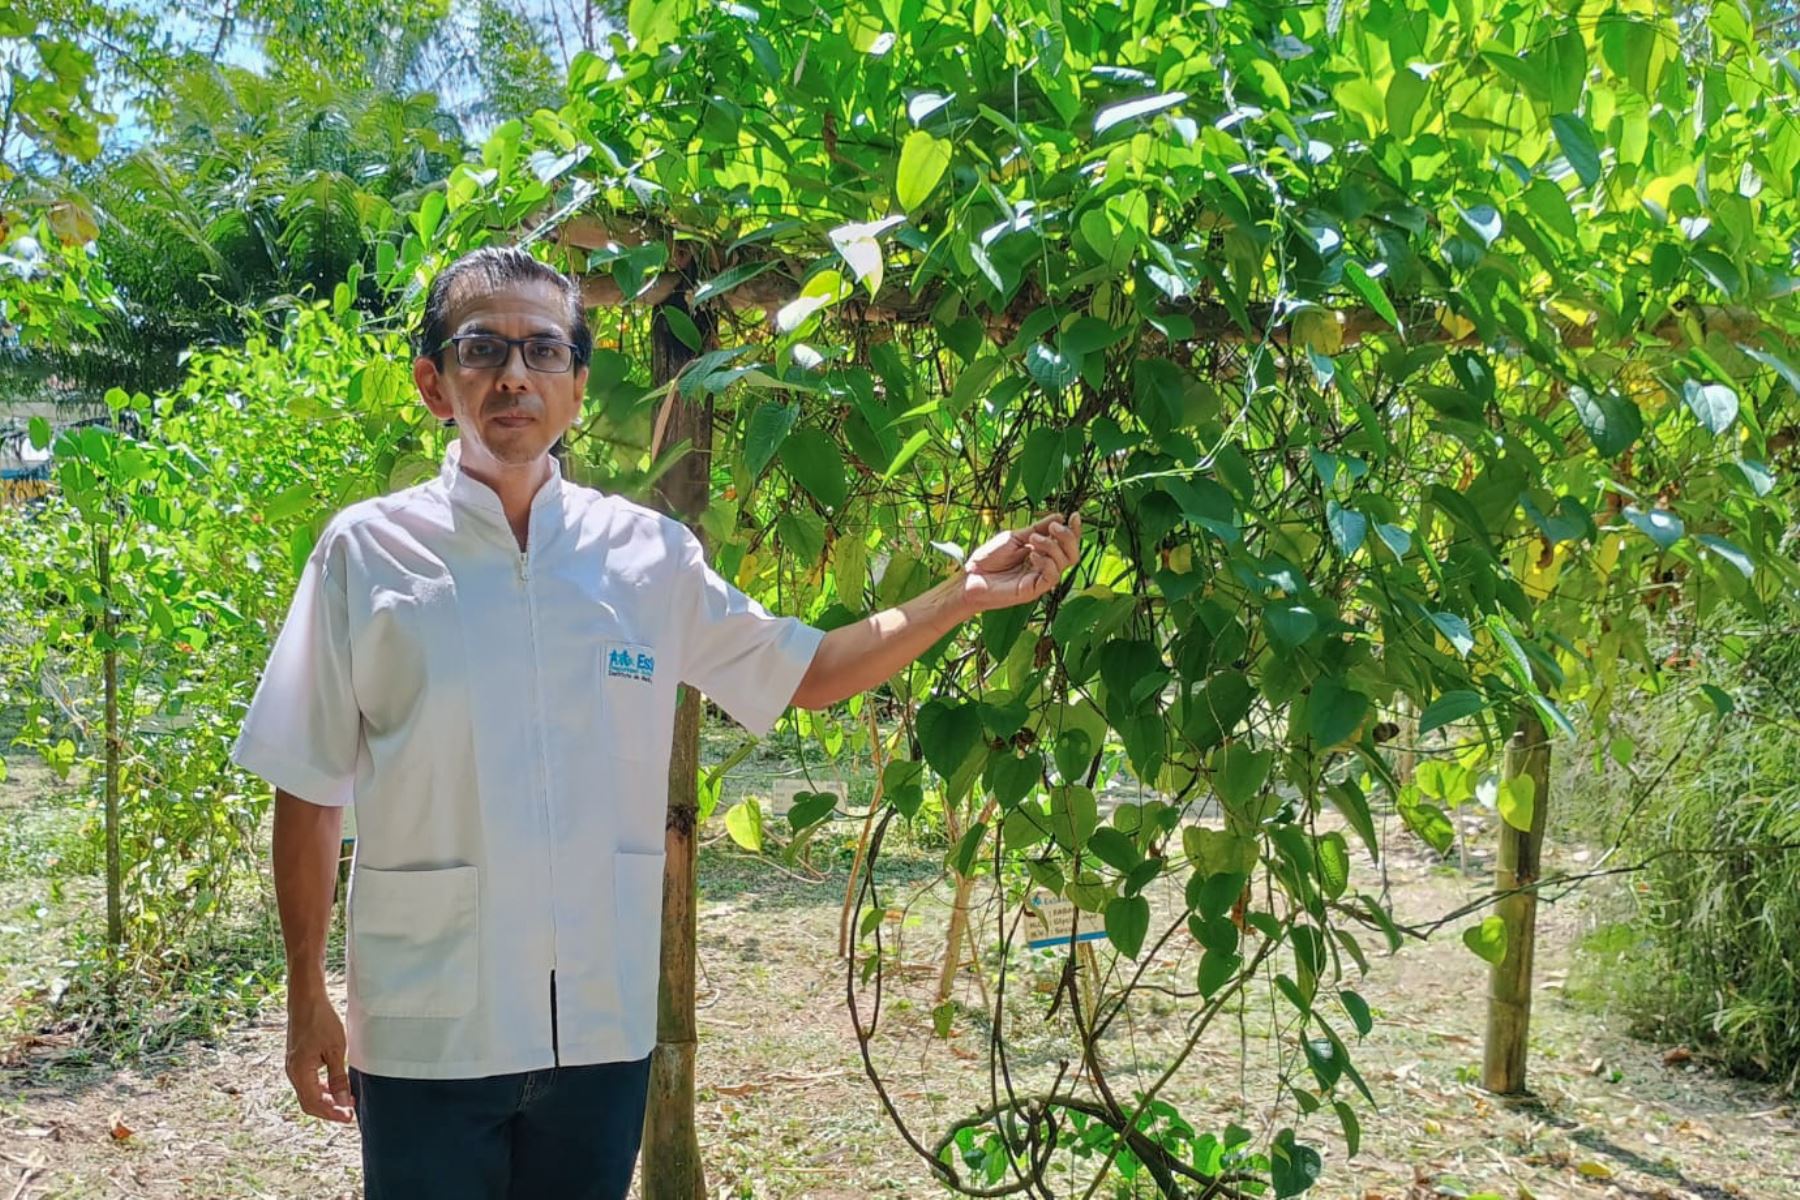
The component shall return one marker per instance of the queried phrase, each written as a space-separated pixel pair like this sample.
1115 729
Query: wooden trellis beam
1213 321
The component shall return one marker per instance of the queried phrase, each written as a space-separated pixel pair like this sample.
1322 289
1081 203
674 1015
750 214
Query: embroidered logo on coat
630 662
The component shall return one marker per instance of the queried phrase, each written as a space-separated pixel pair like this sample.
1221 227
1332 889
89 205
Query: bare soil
785 1110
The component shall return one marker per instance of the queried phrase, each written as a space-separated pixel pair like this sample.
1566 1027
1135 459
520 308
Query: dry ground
785 1111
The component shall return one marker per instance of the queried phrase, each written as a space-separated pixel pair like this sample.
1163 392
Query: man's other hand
315 1057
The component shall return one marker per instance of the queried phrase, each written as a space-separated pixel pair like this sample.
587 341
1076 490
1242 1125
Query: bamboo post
1509 981
671 1155
109 657
960 933
862 845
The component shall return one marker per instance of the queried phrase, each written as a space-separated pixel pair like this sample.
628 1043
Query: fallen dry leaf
118 1128
1677 1056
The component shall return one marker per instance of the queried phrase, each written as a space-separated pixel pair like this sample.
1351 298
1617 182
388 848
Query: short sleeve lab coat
502 722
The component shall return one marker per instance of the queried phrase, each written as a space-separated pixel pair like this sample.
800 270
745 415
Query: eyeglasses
486 352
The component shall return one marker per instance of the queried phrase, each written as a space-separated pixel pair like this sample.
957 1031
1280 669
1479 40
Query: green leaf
1043 462
1396 539
1659 524
1756 476
1348 527
292 501
923 161
1073 815
809 808
1349 800
1352 1130
1334 864
1451 706
1334 713
1516 801
1550 204
1115 849
1011 777
1358 1008
1127 923
769 427
1729 552
1456 631
813 459
1218 852
1293 1167
1131 110
1485 220
1722 702
38 431
947 735
1052 371
1487 940
1291 624
1405 92
1428 822
728 279
902 786
744 823
682 326
1612 422
1776 363
821 291
1239 773
962 857
1714 405
1577 143
1216 970
1370 290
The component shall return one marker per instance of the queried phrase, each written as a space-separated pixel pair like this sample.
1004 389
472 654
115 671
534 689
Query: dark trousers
564 1133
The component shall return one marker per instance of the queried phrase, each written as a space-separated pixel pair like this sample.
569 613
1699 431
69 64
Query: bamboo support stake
959 912
671 1150
1509 981
109 657
862 845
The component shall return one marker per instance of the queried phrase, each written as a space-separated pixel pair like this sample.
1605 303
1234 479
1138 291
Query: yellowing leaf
923 161
745 824
1517 801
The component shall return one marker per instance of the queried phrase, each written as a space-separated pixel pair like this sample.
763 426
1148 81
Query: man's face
510 415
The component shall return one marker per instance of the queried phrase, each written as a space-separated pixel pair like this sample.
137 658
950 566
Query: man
486 665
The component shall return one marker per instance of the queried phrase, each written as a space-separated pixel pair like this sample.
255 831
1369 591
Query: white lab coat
502 722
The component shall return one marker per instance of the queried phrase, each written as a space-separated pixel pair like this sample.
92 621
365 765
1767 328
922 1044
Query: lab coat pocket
637 896
415 941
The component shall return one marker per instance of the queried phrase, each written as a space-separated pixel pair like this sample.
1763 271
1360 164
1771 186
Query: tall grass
1710 952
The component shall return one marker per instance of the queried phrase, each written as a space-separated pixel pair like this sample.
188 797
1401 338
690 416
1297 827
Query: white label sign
1049 918
784 790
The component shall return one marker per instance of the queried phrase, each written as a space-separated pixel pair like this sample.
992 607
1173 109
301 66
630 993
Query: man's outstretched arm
1017 567
306 846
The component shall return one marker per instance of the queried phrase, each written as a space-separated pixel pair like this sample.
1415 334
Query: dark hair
489 269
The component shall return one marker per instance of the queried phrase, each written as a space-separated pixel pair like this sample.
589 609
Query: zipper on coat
537 707
555 1032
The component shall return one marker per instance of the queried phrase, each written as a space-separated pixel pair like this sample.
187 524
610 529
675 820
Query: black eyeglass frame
457 340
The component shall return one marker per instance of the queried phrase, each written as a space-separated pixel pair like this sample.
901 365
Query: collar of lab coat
466 490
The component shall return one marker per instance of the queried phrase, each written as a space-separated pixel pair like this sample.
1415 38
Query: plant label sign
1048 919
784 791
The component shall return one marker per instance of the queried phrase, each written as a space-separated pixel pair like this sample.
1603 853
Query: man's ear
430 382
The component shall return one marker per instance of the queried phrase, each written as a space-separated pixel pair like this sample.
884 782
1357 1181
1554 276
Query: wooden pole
1509 981
862 845
671 1155
109 658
